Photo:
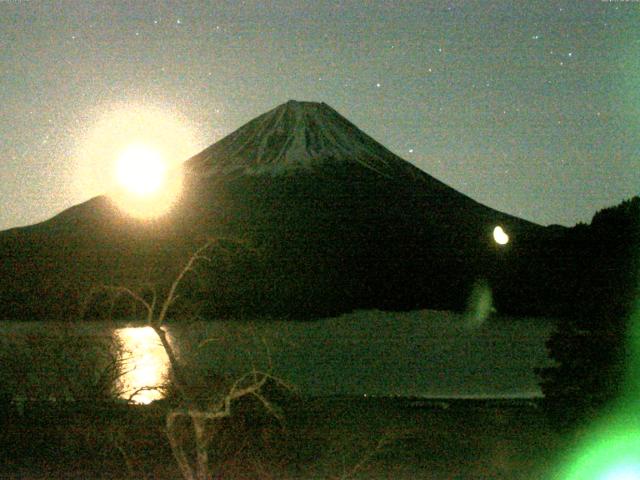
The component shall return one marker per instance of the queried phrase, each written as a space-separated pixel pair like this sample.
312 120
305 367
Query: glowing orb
141 169
500 236
145 187
133 154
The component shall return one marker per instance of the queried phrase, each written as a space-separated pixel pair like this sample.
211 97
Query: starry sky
532 108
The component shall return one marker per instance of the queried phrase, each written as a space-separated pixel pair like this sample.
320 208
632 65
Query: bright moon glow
141 170
500 236
146 364
133 153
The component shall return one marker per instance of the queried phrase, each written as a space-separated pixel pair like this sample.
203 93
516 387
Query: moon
141 169
146 184
133 153
500 236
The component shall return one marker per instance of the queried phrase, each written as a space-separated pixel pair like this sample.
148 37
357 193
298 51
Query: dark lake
418 354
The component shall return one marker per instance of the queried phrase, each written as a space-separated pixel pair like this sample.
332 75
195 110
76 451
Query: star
543 42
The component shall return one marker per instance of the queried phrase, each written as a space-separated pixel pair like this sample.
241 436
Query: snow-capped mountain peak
291 136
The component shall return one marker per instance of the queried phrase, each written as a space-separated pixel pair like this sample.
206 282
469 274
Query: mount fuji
334 221
297 135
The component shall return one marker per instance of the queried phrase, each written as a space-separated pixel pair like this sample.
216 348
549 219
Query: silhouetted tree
198 403
598 285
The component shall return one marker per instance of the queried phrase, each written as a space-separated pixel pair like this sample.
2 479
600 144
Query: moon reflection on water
145 364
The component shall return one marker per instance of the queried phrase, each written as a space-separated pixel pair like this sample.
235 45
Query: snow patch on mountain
297 135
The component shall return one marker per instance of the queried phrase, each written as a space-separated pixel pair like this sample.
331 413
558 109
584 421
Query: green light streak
612 453
612 450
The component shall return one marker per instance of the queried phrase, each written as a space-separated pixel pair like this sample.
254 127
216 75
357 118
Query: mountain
297 135
334 221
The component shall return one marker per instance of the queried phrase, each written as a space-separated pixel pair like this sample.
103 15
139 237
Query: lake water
421 353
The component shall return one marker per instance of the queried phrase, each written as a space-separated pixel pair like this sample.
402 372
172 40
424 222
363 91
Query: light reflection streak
146 364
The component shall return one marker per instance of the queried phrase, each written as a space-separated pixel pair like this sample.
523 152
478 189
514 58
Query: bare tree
190 407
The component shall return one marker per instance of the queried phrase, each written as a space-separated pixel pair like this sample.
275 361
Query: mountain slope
336 222
296 135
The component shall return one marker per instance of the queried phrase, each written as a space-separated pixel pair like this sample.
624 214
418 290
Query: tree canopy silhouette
600 283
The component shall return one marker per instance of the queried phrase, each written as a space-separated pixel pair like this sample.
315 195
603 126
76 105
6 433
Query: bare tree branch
171 296
249 384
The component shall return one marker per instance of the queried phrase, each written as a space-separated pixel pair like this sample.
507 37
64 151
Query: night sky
532 108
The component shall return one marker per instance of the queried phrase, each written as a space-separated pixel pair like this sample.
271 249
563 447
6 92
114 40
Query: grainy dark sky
532 108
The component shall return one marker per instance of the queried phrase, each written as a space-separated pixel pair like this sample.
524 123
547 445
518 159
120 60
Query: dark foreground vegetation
593 269
595 346
328 438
